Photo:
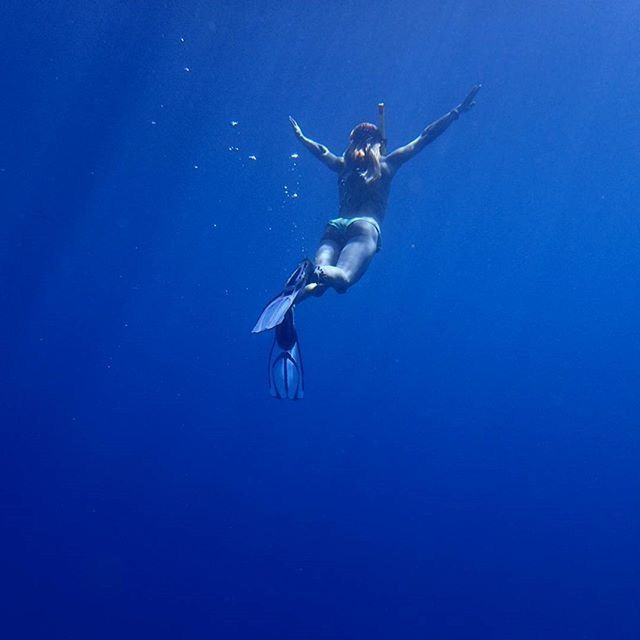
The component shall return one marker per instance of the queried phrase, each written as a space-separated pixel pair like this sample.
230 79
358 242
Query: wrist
455 112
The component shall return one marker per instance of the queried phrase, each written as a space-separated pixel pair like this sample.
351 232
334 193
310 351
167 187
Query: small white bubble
252 158
153 122
187 69
294 156
195 166
181 39
234 123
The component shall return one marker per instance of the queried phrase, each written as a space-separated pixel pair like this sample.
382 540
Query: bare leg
354 258
326 255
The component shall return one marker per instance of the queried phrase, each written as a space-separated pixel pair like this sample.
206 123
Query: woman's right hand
469 101
296 127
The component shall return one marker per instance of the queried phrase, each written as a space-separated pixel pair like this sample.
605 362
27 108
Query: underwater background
465 463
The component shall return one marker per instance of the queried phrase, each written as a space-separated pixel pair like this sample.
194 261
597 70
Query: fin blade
286 372
277 308
274 313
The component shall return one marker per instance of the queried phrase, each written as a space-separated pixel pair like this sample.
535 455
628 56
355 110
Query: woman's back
358 197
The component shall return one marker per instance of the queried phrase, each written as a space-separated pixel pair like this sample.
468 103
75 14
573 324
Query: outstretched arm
430 133
318 150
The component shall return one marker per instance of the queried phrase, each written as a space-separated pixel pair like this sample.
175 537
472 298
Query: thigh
358 251
327 253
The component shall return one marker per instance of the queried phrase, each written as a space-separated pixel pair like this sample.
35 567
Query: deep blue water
465 461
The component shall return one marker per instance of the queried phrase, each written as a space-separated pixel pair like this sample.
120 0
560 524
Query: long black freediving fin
277 308
286 373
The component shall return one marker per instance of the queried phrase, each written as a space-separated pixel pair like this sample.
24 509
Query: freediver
349 242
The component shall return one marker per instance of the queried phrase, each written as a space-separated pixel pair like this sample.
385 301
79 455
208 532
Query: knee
334 277
343 285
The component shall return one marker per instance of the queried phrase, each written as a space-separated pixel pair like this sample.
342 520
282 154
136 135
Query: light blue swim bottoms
338 228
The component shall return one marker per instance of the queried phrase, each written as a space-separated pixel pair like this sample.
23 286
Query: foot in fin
286 374
277 308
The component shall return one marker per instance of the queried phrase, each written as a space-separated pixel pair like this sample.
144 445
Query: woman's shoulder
387 168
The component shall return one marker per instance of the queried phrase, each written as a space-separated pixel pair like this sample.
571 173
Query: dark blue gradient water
465 461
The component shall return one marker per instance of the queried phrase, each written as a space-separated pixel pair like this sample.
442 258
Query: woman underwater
349 242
